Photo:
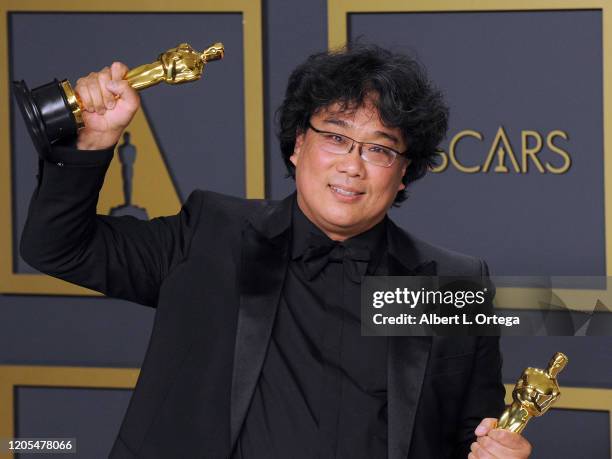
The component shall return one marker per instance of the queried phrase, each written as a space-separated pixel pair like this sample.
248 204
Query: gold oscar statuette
534 393
53 111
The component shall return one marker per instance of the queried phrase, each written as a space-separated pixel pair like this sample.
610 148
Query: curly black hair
397 85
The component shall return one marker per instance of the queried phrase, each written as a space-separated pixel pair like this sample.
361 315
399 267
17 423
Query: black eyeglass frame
395 152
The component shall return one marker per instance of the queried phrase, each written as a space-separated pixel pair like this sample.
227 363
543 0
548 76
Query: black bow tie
322 250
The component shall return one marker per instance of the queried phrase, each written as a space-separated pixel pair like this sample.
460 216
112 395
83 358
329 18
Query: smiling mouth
344 192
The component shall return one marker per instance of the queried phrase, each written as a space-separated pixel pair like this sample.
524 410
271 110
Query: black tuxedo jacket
215 273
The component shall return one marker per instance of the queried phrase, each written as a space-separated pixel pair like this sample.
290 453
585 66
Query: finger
104 76
93 85
124 91
495 448
485 426
88 117
118 70
480 452
510 440
84 96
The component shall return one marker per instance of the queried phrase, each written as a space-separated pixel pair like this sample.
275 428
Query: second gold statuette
534 393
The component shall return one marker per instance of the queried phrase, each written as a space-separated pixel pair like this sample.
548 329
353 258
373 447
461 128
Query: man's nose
352 163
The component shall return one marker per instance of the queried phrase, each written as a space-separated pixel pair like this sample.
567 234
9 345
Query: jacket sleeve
484 397
122 257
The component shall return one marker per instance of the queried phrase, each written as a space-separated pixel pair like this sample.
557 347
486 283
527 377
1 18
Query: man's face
343 194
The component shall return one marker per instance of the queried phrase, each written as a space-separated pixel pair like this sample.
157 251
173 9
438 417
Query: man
256 349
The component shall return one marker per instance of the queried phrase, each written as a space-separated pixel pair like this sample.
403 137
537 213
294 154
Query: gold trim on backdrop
579 300
338 10
13 376
337 21
40 284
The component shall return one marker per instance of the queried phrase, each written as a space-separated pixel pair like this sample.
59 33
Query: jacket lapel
407 357
265 247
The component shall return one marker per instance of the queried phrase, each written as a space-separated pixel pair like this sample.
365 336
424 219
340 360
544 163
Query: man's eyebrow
386 135
344 124
337 122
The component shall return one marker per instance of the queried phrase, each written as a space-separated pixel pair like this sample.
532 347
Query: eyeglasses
339 144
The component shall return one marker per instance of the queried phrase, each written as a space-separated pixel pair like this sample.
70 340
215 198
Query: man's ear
297 148
403 170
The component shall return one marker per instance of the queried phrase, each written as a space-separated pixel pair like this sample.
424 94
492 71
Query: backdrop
522 182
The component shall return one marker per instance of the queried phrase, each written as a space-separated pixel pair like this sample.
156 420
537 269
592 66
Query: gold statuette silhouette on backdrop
533 395
52 112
